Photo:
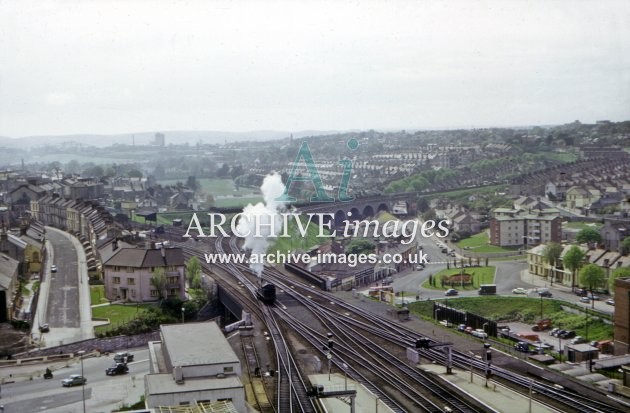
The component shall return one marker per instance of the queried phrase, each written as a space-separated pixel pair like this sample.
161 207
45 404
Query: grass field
480 243
296 241
523 309
97 294
582 225
117 314
481 275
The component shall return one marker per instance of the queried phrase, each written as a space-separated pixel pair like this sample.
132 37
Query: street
102 392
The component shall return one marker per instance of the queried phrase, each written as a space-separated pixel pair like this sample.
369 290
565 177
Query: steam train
267 293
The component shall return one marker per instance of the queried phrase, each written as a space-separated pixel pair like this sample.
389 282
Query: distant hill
145 138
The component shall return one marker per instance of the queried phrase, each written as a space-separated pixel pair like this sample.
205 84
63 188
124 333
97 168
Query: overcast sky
131 66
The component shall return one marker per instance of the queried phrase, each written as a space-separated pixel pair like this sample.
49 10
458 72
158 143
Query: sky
109 66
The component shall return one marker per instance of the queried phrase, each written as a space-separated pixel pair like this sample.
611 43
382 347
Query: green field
526 310
237 202
479 243
117 314
582 225
296 241
481 275
97 294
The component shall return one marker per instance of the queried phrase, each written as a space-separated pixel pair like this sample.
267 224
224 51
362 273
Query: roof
611 362
146 258
582 348
8 267
199 338
165 384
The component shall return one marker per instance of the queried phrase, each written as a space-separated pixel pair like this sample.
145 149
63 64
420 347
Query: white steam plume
256 219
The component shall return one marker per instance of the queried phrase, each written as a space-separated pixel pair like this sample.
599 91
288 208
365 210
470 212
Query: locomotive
267 293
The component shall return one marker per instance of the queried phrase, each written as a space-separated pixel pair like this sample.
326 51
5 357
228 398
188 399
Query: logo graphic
314 177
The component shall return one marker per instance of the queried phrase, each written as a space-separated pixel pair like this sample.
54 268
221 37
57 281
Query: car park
123 357
116 369
610 301
73 380
519 290
451 292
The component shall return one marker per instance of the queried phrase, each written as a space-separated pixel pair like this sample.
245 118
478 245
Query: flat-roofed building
193 363
621 319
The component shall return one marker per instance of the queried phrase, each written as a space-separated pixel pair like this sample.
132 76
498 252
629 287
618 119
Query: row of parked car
479 333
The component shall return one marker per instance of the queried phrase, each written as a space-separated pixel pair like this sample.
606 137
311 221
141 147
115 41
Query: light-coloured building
581 196
193 363
516 227
128 272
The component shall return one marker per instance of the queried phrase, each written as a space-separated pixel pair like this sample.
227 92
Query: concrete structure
621 318
193 363
128 273
515 227
578 353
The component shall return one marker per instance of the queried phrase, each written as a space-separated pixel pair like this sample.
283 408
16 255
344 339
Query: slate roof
146 258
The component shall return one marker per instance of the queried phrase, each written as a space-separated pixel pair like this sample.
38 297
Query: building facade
621 320
517 227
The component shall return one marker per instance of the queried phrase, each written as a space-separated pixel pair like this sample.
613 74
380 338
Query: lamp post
183 310
80 354
329 354
472 357
487 358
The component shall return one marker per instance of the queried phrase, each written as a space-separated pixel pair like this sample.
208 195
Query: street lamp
183 310
80 354
329 353
487 357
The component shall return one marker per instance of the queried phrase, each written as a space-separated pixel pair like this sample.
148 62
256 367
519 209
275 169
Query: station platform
495 397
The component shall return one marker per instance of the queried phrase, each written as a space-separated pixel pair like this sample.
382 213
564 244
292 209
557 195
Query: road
64 295
102 392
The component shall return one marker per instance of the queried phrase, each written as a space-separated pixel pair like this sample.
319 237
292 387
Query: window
133 293
174 291
129 269
172 280
116 280
131 281
155 293
229 369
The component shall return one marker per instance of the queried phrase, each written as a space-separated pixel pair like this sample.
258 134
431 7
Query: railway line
424 393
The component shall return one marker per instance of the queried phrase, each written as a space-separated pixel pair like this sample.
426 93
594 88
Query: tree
193 272
625 246
359 246
591 276
588 236
573 261
158 280
134 173
617 273
551 254
192 183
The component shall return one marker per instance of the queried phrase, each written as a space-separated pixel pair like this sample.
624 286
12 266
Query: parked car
44 328
558 333
554 331
585 300
522 347
479 333
567 334
469 330
123 357
581 292
595 297
578 340
519 290
461 327
545 293
73 380
116 369
446 323
594 343
450 292
610 301
53 268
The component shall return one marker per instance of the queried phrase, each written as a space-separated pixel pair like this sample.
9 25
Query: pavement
365 401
